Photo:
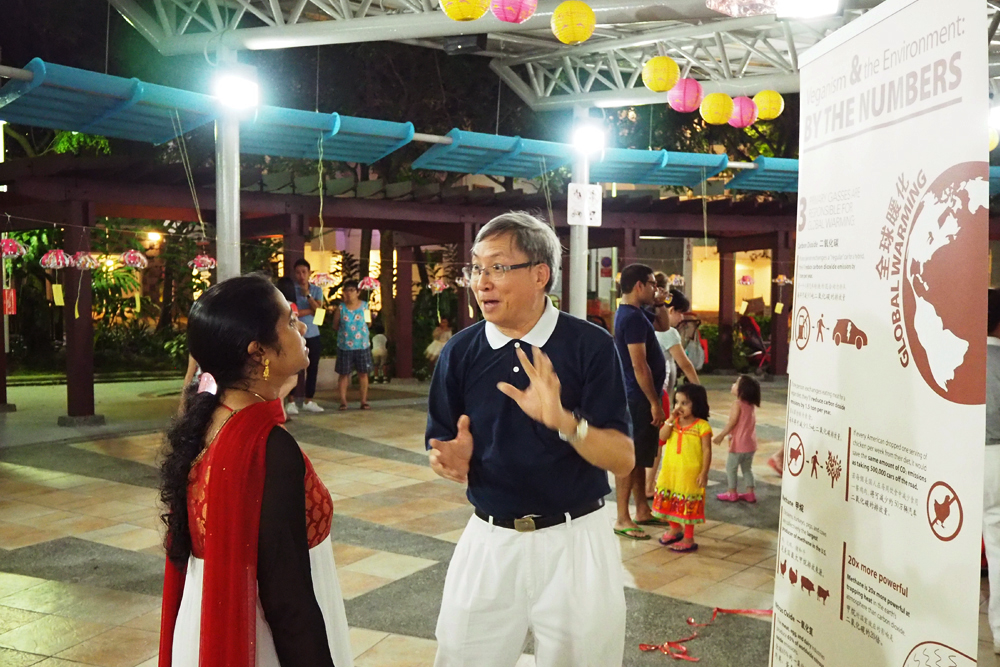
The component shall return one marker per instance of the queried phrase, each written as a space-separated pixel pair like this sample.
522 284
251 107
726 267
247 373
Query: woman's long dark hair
221 326
698 397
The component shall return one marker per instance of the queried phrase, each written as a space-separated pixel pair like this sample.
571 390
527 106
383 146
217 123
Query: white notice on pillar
881 508
584 205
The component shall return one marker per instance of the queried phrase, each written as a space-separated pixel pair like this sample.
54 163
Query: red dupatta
229 594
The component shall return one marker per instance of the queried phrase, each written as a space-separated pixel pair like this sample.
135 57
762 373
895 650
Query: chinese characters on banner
878 552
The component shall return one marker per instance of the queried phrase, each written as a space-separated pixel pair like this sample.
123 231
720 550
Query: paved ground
81 562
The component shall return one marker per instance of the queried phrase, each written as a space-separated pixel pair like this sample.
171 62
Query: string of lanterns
573 21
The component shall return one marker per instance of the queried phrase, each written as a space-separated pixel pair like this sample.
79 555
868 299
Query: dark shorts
645 436
354 360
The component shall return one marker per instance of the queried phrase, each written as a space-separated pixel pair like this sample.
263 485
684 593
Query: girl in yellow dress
687 456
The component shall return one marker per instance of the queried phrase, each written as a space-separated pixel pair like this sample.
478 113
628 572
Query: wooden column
404 311
293 242
630 247
782 262
79 330
727 309
465 297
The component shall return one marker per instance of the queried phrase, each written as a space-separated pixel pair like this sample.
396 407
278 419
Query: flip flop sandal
342 407
683 548
632 533
677 537
366 406
652 522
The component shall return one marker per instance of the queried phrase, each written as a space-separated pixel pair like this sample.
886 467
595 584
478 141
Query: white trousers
991 533
564 583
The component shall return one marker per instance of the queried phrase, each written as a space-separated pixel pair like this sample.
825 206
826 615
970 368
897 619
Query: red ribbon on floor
676 648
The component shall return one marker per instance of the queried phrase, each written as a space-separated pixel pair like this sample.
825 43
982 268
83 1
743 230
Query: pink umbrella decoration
685 96
369 283
322 279
744 112
202 263
12 249
438 286
56 259
746 280
513 11
134 259
85 261
782 280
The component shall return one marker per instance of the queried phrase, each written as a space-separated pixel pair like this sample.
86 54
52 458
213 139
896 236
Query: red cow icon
792 576
784 564
807 586
794 454
822 594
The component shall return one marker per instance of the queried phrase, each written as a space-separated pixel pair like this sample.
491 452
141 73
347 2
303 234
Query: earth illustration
946 252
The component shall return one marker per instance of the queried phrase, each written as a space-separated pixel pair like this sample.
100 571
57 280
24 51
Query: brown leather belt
526 524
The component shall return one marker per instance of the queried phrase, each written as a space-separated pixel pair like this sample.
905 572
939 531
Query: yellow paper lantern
994 139
660 74
717 108
465 10
573 22
769 103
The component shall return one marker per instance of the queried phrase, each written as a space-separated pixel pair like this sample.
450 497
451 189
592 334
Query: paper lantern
202 262
56 259
465 10
12 249
514 11
994 139
134 259
573 22
322 279
85 261
685 96
744 112
769 103
369 283
660 74
717 108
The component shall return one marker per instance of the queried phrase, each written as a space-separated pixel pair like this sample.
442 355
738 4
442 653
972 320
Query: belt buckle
525 524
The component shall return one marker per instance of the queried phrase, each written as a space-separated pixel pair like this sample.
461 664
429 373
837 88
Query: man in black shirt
528 409
645 373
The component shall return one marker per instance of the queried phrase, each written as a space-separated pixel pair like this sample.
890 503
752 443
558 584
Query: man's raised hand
541 400
450 458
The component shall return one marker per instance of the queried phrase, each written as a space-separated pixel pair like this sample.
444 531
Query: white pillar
227 184
578 236
3 264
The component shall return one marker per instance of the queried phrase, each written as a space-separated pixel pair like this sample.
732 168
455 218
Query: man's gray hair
532 236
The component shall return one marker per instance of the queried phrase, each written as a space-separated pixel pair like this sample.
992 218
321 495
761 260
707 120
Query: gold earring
267 369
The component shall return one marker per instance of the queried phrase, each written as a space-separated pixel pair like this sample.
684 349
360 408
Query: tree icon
833 468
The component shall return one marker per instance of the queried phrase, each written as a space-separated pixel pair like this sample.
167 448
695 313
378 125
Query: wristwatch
579 433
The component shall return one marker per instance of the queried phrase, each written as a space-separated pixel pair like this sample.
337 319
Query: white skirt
187 632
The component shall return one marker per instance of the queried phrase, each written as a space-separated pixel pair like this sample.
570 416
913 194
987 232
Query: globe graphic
946 251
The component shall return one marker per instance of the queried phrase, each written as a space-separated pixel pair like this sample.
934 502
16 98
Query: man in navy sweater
528 410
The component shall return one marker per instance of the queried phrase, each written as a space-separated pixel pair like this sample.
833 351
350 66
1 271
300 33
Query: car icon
845 331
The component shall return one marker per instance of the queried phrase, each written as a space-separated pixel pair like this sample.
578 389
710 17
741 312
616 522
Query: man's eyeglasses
474 272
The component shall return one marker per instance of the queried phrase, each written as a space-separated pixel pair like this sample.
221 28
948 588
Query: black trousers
315 347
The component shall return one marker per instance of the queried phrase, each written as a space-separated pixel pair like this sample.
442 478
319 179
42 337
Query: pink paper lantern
744 112
685 96
134 259
12 248
56 259
85 261
513 11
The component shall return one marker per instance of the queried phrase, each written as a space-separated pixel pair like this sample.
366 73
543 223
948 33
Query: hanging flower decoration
746 280
438 286
462 281
85 261
202 263
573 22
744 113
12 249
322 279
717 108
134 259
56 259
675 280
369 283
769 103
782 280
514 11
685 96
660 74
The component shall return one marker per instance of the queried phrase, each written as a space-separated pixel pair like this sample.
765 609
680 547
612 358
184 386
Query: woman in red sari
250 576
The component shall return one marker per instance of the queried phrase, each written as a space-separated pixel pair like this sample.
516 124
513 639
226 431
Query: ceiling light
236 87
653 238
155 237
588 137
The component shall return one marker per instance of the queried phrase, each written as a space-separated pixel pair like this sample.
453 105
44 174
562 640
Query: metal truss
739 56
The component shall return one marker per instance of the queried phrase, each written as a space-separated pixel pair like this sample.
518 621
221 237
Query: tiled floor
88 534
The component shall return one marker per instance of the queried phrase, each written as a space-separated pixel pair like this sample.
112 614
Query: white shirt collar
990 340
539 334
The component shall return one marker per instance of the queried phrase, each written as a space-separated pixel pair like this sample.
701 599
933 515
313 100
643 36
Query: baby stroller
759 353
695 347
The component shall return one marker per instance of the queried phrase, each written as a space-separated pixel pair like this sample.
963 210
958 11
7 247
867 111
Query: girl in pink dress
742 432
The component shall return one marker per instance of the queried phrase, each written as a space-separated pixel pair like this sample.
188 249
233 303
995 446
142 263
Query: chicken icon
942 510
